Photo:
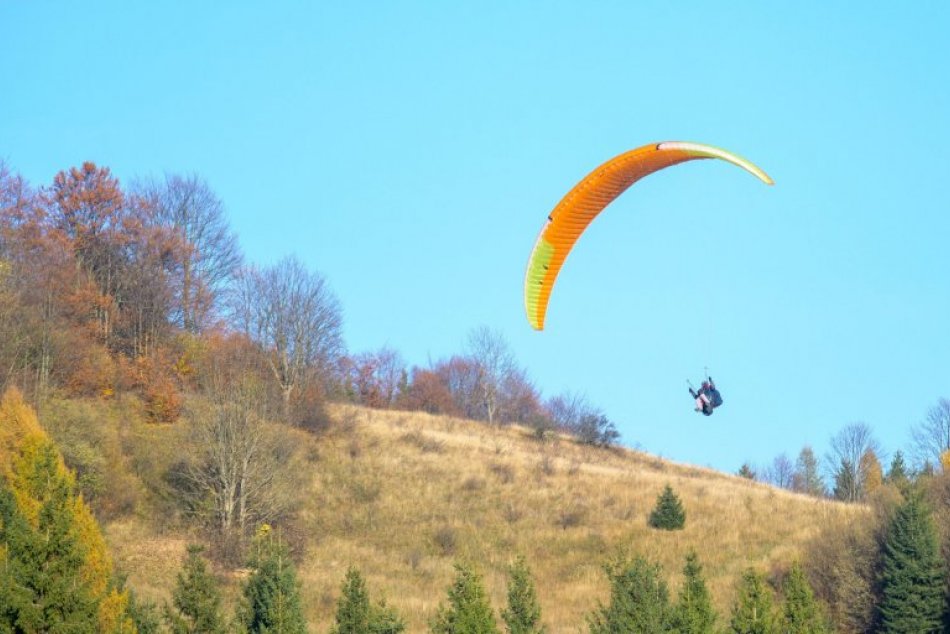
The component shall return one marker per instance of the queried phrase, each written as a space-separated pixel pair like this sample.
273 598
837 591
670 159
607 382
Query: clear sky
410 152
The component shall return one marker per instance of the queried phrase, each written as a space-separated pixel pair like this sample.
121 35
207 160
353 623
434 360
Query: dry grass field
404 495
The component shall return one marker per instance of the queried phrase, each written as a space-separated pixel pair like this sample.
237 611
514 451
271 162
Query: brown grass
402 496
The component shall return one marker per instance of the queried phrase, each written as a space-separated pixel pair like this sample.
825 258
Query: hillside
403 495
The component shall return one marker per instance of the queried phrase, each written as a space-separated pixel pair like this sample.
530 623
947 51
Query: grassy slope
403 495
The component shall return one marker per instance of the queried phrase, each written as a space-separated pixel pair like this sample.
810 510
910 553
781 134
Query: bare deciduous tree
932 436
566 410
211 257
781 472
240 463
848 447
294 316
495 363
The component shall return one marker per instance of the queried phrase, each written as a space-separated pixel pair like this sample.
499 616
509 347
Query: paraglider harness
707 396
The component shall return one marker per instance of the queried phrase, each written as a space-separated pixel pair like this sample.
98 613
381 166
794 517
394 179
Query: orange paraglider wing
588 198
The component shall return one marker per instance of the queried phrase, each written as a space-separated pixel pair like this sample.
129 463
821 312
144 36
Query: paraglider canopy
588 198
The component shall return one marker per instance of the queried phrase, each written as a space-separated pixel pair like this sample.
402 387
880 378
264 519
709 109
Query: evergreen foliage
56 574
272 595
352 608
913 574
196 599
746 471
523 614
802 612
639 600
752 612
847 483
145 615
694 613
355 614
898 474
668 513
468 610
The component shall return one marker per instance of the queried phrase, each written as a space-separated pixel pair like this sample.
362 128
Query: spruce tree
694 613
196 599
352 608
59 569
271 595
468 610
355 614
668 513
801 612
912 577
639 600
523 614
752 611
898 474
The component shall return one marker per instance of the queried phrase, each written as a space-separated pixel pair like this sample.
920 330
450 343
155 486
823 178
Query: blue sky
410 152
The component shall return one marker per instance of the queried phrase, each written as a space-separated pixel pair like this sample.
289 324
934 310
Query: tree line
107 289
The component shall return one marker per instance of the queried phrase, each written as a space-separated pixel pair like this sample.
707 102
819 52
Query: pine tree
271 595
746 471
802 612
694 613
355 614
468 610
523 614
668 513
752 612
912 578
897 474
196 599
639 600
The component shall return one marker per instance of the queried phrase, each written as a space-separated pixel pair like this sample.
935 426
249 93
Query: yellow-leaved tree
57 572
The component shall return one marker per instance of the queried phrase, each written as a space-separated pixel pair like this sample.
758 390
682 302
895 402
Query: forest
137 300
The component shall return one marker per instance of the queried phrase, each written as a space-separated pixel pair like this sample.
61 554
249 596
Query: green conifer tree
59 573
48 591
694 613
639 600
352 608
668 513
801 612
752 612
17 597
523 614
196 599
898 474
145 614
913 576
468 610
272 595
355 614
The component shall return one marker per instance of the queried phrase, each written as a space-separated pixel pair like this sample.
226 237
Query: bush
668 513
